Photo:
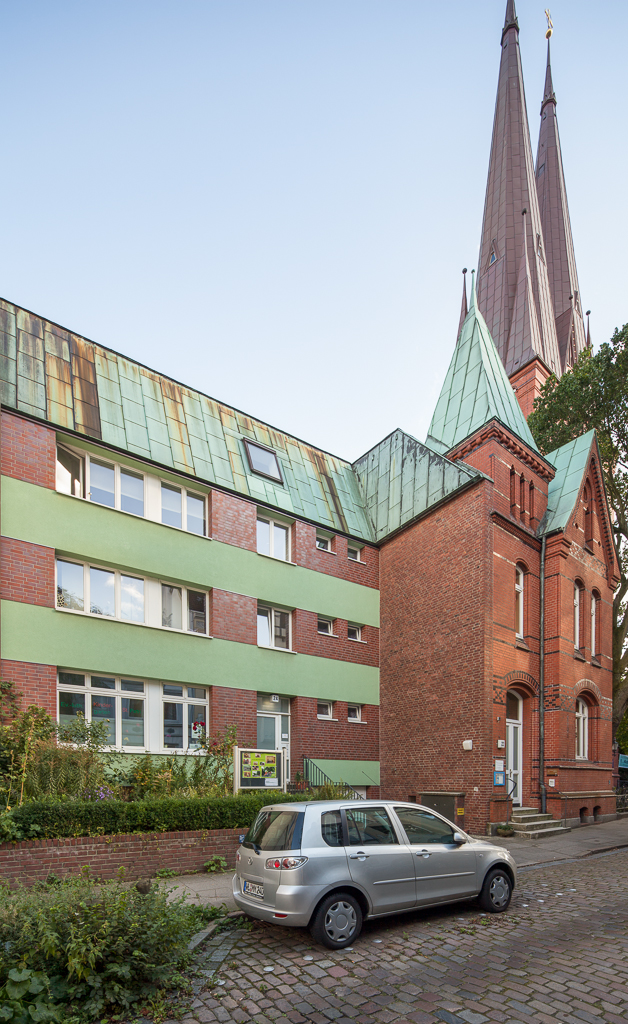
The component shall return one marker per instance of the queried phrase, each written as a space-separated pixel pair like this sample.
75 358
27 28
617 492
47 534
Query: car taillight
287 862
237 856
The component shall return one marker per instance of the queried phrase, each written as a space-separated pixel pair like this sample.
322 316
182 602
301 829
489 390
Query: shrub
110 817
102 946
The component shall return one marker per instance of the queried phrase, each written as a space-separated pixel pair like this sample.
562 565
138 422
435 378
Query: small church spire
464 309
589 343
559 252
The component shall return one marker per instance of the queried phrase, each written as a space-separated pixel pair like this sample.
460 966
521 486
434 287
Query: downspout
542 682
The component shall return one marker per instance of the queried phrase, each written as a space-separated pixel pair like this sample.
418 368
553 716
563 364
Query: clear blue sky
272 200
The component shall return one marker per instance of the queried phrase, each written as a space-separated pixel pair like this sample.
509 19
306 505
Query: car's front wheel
496 891
337 921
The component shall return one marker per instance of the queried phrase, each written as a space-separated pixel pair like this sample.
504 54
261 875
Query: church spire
464 309
510 189
556 231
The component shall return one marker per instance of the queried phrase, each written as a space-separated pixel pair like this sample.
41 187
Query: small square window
354 554
325 626
324 709
354 712
354 632
323 543
263 461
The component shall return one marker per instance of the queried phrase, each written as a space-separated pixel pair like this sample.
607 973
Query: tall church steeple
527 343
559 250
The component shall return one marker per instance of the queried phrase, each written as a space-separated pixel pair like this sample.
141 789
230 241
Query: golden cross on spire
550 23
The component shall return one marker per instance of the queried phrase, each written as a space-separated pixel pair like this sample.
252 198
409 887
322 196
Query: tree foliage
594 394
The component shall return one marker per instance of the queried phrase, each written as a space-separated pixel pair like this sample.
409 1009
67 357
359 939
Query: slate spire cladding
511 188
476 389
559 250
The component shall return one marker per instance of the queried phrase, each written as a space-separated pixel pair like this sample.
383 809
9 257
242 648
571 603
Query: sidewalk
580 842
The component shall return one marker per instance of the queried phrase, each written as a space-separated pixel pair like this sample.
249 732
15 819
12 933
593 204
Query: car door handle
358 856
423 853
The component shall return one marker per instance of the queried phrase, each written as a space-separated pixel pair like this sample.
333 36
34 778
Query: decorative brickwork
36 683
140 856
27 572
29 451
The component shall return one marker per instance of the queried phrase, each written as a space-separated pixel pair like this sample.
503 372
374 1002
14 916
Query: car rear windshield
275 830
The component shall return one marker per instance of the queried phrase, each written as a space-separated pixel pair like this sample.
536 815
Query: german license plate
253 889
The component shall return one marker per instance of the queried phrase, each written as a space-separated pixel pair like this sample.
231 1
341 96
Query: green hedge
42 819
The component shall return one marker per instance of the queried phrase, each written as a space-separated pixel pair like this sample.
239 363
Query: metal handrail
314 777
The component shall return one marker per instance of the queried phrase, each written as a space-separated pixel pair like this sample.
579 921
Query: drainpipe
542 683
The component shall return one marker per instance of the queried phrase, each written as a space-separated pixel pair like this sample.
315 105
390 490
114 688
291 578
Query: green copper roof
401 477
476 389
55 375
570 462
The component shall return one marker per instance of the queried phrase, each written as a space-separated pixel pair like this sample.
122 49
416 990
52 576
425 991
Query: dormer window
263 461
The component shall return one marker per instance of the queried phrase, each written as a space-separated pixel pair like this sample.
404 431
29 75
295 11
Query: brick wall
334 562
37 683
233 617
341 739
229 706
233 520
140 856
27 572
436 655
307 640
29 451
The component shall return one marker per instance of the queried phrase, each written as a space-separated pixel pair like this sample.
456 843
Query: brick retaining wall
141 856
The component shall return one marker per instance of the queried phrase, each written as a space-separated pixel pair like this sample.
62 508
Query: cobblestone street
560 953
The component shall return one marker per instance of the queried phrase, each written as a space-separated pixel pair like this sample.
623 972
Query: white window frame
330 710
594 603
577 599
88 691
323 543
186 700
358 550
248 444
329 622
262 607
151 490
582 730
261 517
152 604
358 709
355 639
519 601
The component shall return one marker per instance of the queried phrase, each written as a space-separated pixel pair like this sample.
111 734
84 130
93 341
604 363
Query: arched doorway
514 729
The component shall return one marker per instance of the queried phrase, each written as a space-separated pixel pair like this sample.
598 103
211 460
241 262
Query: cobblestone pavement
560 953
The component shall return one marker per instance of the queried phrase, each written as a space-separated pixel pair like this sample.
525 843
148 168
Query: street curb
572 859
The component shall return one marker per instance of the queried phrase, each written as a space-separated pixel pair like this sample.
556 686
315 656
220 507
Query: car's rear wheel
496 891
337 921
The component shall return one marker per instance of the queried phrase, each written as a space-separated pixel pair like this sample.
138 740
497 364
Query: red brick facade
29 451
307 640
27 572
36 683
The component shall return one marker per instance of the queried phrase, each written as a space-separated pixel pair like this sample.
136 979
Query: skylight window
263 461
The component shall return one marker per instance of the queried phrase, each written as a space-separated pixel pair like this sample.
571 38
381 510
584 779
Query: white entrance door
273 726
513 746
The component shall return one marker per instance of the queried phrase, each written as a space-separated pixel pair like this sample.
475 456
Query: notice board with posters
257 769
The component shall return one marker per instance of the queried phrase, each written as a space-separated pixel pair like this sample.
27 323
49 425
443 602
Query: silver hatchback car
329 864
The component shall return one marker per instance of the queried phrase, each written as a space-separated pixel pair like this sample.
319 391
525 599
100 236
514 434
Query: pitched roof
476 389
510 189
401 478
559 251
55 375
570 461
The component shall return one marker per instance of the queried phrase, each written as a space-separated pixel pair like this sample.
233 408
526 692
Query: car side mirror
458 839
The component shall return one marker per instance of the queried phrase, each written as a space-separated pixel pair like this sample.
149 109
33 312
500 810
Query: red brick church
496 633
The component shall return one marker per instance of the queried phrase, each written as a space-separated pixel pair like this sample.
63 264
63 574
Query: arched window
519 600
595 624
578 593
522 496
582 729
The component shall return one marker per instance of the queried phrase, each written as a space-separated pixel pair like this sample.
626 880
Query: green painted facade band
88 532
90 644
353 773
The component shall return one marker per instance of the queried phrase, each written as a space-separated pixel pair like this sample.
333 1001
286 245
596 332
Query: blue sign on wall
499 778
623 760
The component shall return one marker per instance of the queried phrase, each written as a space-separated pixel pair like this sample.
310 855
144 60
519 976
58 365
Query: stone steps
529 823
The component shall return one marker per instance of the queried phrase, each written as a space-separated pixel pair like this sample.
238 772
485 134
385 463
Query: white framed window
578 591
262 460
325 626
354 712
273 538
323 543
107 593
129 490
354 632
594 625
324 709
582 729
519 600
354 553
141 715
273 628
